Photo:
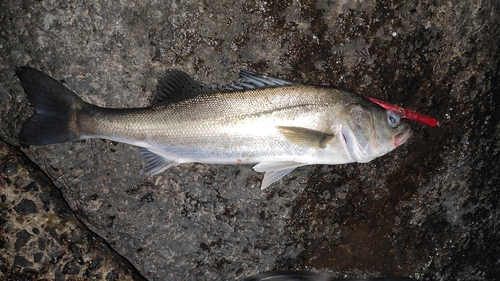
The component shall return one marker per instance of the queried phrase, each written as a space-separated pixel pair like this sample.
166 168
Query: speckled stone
26 207
22 262
41 244
10 168
22 237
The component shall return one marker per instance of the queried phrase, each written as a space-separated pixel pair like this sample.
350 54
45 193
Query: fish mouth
400 138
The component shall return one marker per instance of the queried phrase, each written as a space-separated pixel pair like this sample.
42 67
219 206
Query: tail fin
54 106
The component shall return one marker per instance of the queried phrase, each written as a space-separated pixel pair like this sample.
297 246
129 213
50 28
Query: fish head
368 131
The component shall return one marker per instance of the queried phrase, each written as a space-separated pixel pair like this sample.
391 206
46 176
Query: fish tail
55 109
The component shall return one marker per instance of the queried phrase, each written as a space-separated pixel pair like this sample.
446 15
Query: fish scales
221 128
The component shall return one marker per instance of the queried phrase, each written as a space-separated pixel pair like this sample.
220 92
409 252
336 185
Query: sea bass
278 124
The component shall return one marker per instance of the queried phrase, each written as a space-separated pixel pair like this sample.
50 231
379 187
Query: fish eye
393 118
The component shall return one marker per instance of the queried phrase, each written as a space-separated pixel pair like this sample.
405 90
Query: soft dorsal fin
176 85
252 80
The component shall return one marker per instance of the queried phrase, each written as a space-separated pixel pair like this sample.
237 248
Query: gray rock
429 210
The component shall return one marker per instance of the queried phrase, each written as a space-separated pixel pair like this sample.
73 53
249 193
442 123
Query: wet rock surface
428 210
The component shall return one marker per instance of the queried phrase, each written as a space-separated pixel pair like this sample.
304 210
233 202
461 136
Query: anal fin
155 163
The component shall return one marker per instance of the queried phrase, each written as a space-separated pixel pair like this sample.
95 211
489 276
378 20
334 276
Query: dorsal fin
176 85
252 80
247 76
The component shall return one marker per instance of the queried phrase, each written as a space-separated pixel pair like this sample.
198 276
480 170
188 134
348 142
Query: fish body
278 124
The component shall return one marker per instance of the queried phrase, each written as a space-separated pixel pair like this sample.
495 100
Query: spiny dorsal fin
306 137
176 85
252 80
247 76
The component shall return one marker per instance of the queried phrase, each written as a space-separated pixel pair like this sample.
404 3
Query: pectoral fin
306 137
275 170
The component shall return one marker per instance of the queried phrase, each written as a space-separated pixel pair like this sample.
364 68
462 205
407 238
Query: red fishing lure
408 114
